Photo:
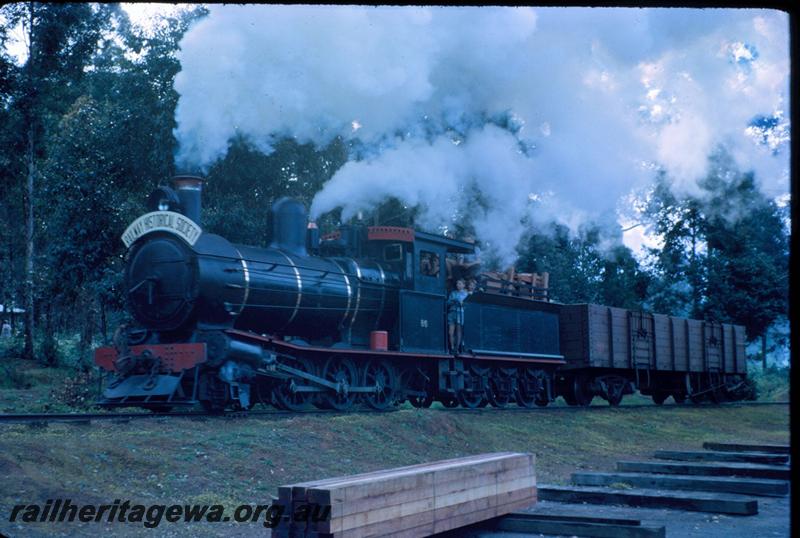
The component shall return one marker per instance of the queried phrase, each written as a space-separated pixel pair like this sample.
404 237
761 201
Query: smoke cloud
540 114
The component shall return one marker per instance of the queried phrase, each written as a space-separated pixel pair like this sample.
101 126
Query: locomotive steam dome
162 282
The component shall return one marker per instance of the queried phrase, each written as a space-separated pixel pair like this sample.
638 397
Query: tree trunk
29 287
28 351
764 351
87 330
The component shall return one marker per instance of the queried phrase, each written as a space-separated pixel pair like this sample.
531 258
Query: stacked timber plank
418 500
533 285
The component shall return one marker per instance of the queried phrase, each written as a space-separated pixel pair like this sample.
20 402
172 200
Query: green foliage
771 384
584 268
95 102
242 187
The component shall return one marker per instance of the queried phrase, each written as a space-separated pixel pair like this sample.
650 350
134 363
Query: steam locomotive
358 317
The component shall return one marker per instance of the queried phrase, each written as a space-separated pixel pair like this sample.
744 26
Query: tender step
745 486
694 501
748 470
747 447
705 455
575 526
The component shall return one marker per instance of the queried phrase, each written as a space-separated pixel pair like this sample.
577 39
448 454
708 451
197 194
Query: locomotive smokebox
289 226
189 189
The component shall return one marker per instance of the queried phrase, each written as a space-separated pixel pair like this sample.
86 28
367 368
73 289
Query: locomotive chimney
189 188
289 226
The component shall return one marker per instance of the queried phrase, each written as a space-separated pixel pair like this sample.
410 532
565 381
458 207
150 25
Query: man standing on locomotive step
455 315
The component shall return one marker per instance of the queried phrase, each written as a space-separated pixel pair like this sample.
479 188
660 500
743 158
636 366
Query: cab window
393 252
429 263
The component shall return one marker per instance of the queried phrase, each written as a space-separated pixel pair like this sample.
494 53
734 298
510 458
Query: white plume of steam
590 100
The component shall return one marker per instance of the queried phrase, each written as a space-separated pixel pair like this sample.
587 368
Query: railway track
85 418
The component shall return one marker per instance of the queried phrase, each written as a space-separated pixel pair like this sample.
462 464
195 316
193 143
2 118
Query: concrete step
569 525
747 447
643 498
705 455
744 486
747 470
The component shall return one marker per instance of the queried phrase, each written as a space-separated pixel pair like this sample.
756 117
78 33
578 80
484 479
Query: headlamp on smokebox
164 199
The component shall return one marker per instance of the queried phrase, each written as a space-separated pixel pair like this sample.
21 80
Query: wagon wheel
501 387
735 388
343 372
692 388
659 397
382 377
416 380
615 388
284 394
524 396
717 388
580 392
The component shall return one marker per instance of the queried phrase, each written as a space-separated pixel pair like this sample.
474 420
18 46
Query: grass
244 461
232 462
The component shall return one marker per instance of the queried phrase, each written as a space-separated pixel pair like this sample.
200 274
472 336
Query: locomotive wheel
523 396
283 394
421 402
471 399
416 380
679 397
449 402
381 375
343 372
501 387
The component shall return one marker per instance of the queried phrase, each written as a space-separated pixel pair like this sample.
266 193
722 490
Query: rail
45 418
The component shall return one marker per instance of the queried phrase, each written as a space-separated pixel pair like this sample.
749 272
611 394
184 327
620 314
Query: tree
61 39
725 253
109 149
676 267
747 261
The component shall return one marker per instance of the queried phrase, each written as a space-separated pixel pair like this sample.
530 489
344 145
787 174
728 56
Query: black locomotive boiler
358 316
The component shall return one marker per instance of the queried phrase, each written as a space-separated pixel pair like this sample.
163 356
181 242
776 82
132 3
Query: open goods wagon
663 355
